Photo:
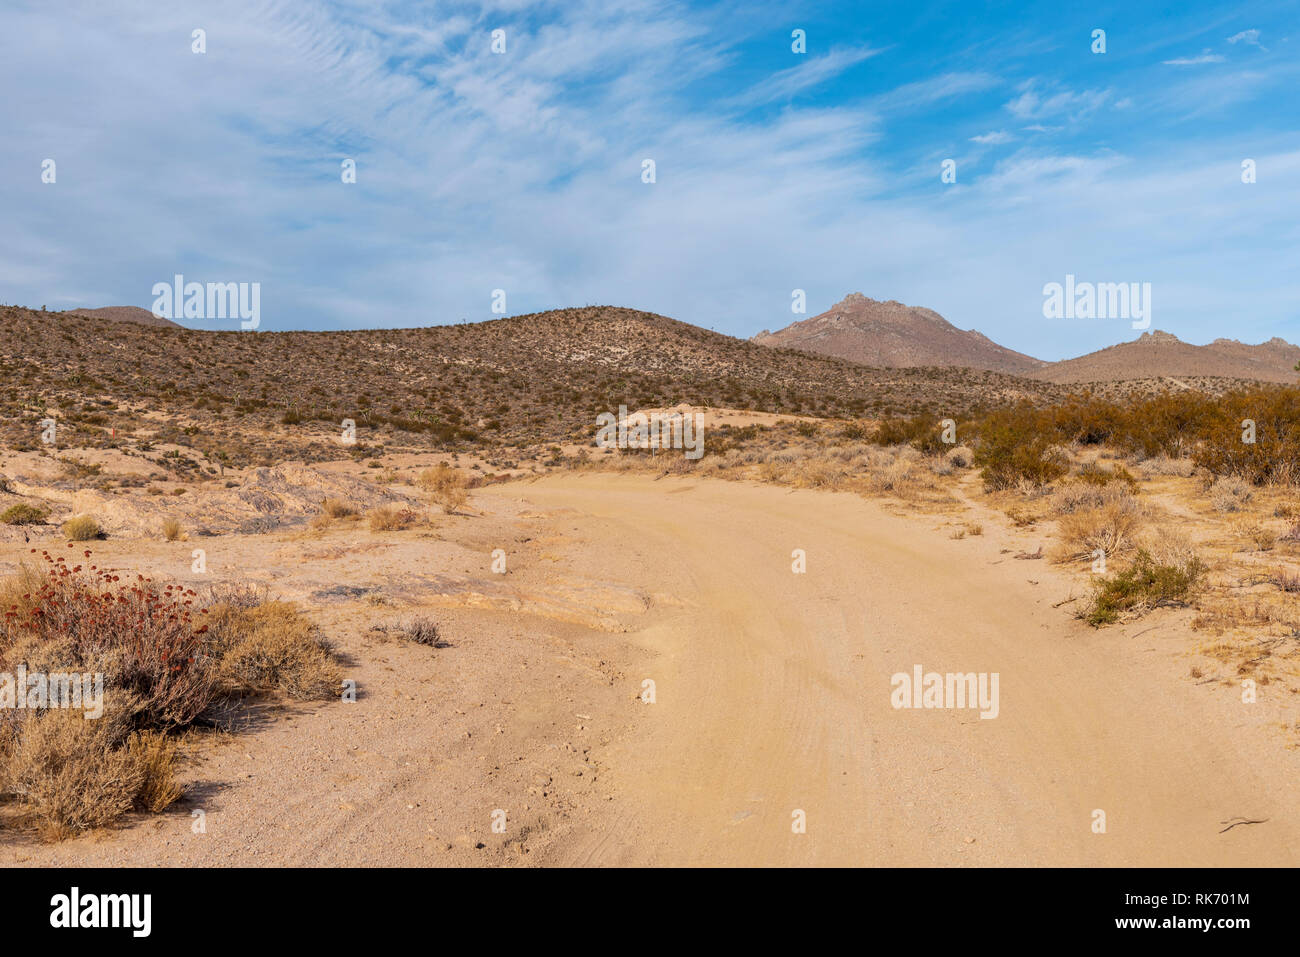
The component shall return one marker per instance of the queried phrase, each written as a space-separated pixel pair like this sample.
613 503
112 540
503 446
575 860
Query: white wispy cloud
1249 37
523 172
1032 104
934 89
1205 57
811 72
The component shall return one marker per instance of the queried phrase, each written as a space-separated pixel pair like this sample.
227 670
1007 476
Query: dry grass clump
391 518
82 528
162 661
1260 536
1095 474
1082 496
71 773
423 631
1109 528
270 647
1285 579
960 457
172 530
1229 493
1167 546
446 486
337 508
818 474
331 510
1163 465
899 471
1021 517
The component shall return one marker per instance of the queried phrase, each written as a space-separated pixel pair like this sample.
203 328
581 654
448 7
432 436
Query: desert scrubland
462 632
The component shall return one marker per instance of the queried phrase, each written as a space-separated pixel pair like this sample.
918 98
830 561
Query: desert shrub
163 665
898 472
82 528
1080 496
446 486
1145 584
237 594
1285 579
1093 474
72 774
142 636
1164 465
337 508
1110 528
960 457
1014 448
1167 546
854 432
1229 493
1021 517
24 514
1262 537
923 432
172 530
155 754
390 518
1273 456
271 647
423 631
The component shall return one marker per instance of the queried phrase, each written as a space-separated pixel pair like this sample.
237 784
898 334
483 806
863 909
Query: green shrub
24 514
1014 447
1146 584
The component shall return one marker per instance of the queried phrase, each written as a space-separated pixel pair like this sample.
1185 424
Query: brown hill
1163 354
892 335
506 383
127 314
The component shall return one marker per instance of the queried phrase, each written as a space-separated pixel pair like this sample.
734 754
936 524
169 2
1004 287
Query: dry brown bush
337 508
1230 493
271 647
1110 529
82 528
71 774
161 669
446 486
391 518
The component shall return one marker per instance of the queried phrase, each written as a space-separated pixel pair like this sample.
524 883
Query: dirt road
773 695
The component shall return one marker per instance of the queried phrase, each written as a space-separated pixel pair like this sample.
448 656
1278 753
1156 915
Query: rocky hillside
893 335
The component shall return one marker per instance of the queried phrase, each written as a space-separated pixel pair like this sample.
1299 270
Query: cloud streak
522 172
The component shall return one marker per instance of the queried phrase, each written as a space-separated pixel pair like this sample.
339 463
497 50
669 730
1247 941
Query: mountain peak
891 334
1156 336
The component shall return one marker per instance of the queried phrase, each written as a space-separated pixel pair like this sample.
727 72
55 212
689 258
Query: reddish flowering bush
146 638
166 657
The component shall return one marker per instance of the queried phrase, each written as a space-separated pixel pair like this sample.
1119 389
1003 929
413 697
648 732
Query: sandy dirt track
773 695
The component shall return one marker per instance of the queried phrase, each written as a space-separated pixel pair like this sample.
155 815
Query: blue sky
775 170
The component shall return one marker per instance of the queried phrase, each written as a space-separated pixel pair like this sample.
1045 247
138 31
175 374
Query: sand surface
772 695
